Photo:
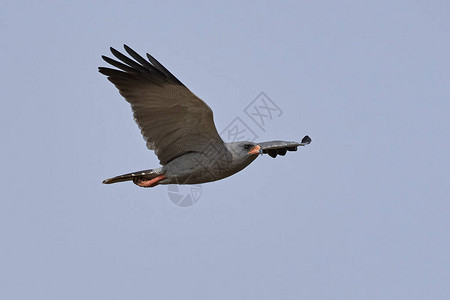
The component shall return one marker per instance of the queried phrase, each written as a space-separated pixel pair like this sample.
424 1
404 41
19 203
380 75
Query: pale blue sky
361 213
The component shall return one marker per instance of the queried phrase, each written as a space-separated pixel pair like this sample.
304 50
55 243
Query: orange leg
148 183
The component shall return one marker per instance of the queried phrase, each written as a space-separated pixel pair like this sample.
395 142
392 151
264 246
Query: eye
248 146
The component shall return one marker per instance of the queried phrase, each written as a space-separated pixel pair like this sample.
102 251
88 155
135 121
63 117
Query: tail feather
143 175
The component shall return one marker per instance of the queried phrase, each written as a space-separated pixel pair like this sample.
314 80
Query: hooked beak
255 150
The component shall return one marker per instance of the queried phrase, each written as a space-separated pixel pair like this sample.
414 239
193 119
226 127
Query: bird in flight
178 126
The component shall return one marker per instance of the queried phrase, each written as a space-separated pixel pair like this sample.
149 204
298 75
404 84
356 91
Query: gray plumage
178 126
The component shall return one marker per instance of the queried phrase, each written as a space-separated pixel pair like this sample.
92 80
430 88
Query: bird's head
244 151
251 148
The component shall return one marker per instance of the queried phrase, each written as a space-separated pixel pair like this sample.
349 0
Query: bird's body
179 127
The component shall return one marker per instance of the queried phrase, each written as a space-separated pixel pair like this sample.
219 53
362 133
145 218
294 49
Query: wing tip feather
306 140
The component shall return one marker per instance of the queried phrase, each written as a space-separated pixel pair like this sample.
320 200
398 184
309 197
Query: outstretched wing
172 119
275 148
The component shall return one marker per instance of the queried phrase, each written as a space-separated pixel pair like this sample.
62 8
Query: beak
255 150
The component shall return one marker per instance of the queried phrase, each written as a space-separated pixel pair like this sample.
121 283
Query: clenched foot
148 183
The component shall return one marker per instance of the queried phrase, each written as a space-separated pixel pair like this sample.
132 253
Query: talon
148 183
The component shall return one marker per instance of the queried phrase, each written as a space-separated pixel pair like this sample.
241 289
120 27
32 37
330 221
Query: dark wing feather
172 119
275 148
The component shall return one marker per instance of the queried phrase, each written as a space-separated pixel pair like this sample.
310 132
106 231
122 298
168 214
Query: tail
141 175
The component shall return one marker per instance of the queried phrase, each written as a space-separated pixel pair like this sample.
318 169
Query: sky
360 213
